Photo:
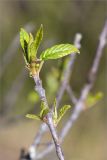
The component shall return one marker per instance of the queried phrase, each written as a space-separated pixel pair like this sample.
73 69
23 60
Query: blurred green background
61 21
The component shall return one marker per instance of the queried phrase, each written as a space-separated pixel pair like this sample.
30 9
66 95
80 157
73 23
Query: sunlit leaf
30 47
24 39
44 110
39 37
24 36
32 50
62 112
33 116
55 110
55 115
58 51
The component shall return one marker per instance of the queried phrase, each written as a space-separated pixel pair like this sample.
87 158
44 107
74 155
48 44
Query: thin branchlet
41 91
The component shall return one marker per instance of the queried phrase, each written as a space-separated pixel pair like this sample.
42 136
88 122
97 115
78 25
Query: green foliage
93 99
24 39
24 36
62 112
58 116
33 116
55 115
39 37
44 111
30 46
58 51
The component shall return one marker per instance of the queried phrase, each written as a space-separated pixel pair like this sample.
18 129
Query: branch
43 128
88 86
79 107
48 117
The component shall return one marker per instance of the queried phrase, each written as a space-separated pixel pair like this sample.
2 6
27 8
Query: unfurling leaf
24 36
39 36
44 110
29 49
62 111
33 116
32 51
24 39
58 51
55 115
55 110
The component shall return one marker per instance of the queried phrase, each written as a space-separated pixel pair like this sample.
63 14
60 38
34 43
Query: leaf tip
27 115
41 26
78 52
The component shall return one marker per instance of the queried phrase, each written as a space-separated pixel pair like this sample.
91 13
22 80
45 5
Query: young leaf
24 36
33 116
58 51
39 37
62 111
44 110
30 48
55 115
24 39
55 111
32 51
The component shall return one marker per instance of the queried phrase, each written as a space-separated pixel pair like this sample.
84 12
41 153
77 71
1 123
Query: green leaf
33 116
24 36
24 39
58 51
62 112
55 115
39 37
30 47
55 110
32 51
44 110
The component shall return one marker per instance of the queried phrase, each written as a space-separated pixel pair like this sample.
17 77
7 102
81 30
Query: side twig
90 81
